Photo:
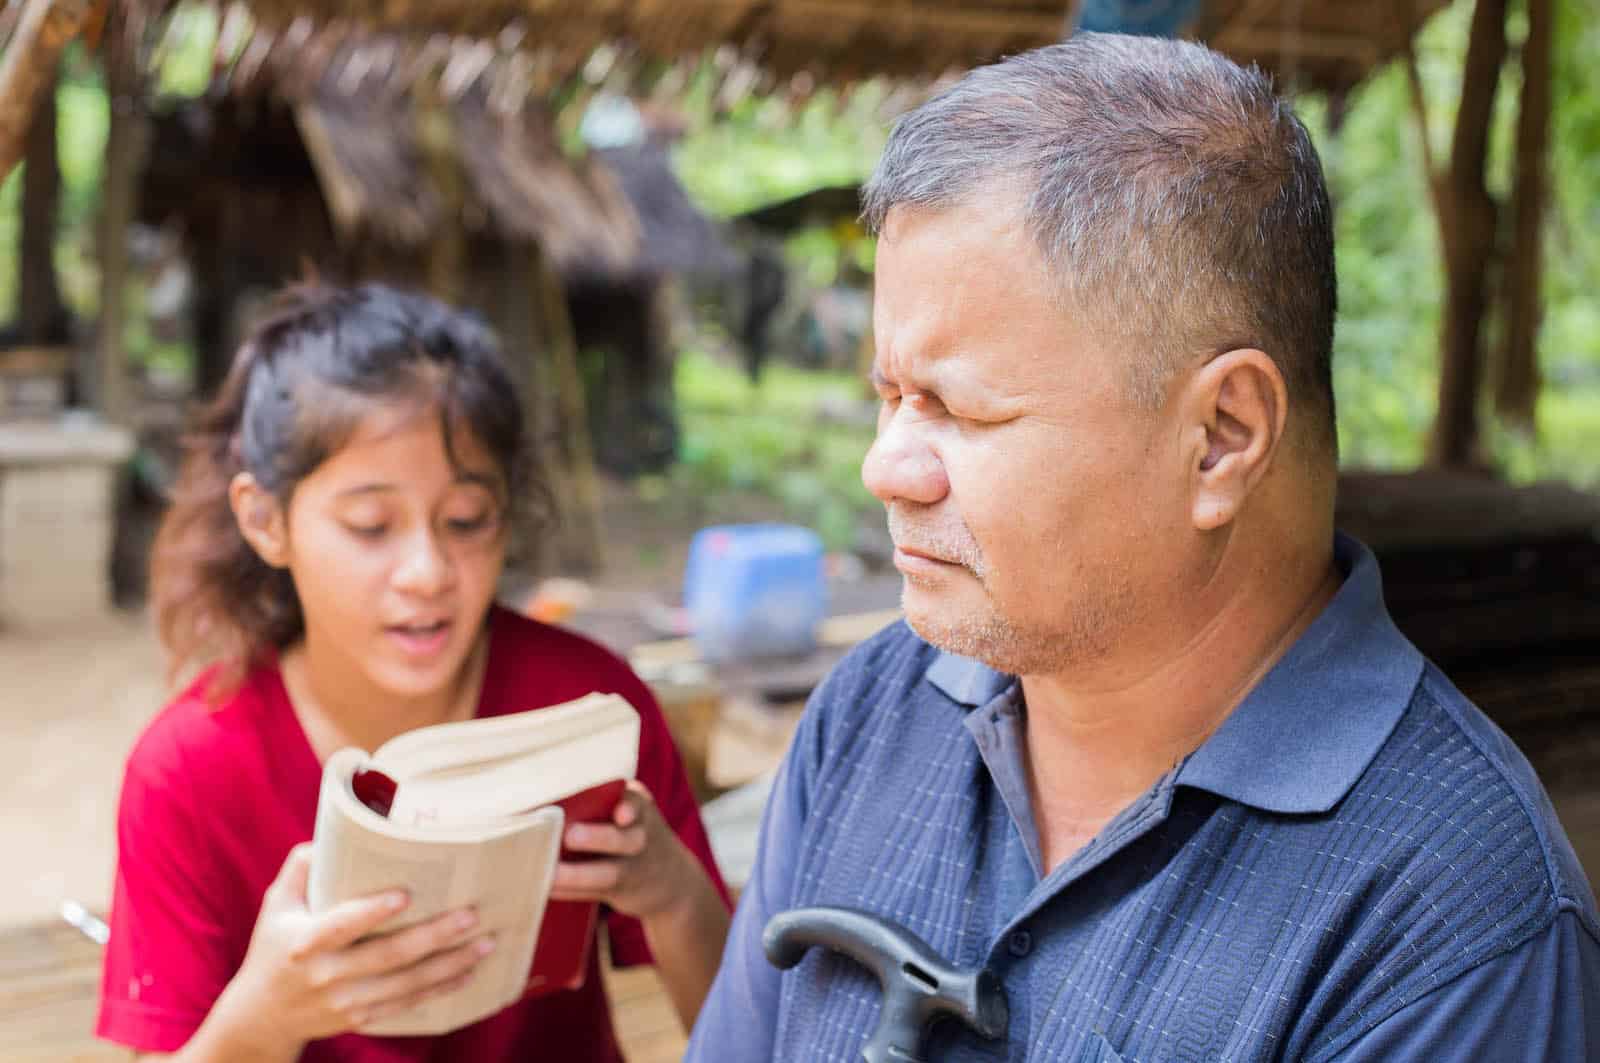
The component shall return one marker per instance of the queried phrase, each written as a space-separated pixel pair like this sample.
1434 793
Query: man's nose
901 466
426 568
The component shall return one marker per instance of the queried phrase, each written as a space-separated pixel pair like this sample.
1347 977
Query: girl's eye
468 525
367 531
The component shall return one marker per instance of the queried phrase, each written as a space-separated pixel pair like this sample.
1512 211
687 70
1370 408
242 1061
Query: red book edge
566 934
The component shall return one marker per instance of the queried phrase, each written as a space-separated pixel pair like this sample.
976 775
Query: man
1150 748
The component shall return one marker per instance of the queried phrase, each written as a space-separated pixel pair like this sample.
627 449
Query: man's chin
975 630
947 622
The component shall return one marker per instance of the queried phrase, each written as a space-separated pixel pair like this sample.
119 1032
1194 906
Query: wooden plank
34 361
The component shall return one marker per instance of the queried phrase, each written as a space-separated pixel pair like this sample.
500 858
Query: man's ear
260 518
1237 406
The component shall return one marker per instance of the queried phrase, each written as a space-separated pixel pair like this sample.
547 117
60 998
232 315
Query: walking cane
918 986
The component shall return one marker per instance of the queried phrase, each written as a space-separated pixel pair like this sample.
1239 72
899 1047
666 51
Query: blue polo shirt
1357 865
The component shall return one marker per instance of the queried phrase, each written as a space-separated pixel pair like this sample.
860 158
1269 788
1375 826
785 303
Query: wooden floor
50 977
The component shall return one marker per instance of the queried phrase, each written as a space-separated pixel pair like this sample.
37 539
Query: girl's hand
310 976
643 870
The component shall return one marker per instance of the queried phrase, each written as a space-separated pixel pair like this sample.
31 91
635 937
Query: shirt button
1020 943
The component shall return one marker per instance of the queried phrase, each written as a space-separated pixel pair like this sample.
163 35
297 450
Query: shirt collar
1309 728
966 681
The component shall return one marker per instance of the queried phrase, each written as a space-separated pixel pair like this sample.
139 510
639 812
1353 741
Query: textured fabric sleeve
171 950
1537 1003
740 1016
661 771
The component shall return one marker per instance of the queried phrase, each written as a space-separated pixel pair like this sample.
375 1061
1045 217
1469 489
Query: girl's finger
346 923
605 839
588 880
636 800
403 948
419 978
396 1005
289 886
627 813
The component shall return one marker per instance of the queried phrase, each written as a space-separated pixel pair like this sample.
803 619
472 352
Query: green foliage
183 62
740 438
763 149
82 119
1391 284
1569 340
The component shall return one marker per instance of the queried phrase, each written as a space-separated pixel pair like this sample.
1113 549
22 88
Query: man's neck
1094 743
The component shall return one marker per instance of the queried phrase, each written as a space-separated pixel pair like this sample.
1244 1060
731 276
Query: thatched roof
675 236
349 73
515 182
1325 45
609 216
1303 42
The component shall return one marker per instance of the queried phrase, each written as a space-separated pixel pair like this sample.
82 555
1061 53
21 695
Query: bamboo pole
1517 383
577 489
1419 111
1468 231
40 311
436 139
125 145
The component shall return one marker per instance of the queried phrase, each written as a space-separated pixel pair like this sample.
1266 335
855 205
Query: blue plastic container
754 590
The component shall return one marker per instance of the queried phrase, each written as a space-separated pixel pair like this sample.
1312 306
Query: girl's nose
425 569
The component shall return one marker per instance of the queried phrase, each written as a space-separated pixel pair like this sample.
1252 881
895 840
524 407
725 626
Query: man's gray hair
1176 198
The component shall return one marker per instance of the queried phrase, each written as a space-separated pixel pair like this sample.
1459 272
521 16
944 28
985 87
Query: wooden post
436 138
1517 383
1468 230
216 295
40 312
516 318
125 146
572 472
1419 111
29 67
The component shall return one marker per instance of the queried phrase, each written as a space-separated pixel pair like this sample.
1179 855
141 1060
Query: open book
472 813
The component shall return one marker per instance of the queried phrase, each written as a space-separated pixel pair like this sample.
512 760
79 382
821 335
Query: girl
332 551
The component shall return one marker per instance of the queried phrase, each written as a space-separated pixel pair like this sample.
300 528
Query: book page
505 872
445 745
514 784
481 770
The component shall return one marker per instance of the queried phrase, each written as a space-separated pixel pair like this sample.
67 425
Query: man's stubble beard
1079 631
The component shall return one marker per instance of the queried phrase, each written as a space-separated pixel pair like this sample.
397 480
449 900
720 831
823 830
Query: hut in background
346 159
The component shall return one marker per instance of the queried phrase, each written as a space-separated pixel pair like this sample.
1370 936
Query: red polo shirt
213 799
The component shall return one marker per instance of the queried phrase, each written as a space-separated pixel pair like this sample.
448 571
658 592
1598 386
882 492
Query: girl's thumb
290 885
